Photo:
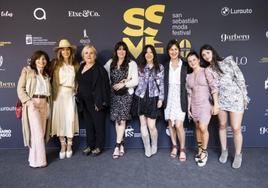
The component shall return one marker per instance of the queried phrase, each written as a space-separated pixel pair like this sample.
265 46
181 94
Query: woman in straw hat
64 115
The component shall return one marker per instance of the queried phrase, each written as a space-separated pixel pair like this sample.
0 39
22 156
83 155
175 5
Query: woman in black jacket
93 98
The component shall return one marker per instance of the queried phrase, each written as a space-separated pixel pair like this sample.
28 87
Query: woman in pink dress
200 85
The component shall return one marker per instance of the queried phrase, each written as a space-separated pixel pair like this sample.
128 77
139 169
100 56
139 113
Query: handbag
18 109
121 91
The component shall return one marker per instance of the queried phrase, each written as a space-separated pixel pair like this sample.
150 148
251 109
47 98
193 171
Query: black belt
40 96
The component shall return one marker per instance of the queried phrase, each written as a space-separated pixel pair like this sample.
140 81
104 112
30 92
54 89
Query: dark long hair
124 65
192 53
36 55
143 61
215 58
170 44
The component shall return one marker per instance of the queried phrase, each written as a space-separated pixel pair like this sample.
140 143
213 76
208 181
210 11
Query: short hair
88 46
170 44
36 55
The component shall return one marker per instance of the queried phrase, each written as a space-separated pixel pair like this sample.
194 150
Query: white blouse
175 75
67 75
41 86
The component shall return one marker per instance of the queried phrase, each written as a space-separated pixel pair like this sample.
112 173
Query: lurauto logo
137 31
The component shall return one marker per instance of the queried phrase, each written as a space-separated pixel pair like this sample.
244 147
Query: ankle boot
154 143
237 161
147 147
224 156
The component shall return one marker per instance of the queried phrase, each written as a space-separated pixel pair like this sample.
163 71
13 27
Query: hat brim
57 48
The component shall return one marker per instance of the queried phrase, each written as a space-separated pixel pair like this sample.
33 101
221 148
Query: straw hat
64 43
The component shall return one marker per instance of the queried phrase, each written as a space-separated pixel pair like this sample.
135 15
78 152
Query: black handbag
121 91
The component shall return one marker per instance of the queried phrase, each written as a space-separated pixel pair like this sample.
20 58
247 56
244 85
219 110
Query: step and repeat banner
238 28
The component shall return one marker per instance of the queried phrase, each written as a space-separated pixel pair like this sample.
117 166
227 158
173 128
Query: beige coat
25 90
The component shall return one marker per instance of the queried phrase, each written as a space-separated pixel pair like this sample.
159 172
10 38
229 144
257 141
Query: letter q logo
40 14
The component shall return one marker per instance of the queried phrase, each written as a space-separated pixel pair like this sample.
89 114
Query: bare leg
145 136
153 133
181 137
173 137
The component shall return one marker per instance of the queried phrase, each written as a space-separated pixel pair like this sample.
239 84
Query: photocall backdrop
238 28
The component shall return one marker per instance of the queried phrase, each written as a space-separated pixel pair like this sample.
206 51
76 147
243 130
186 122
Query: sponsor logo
40 14
225 11
185 46
137 33
241 60
263 130
6 13
130 132
5 133
1 63
38 41
266 84
264 60
230 132
266 112
182 26
7 85
85 40
3 43
7 109
83 14
266 34
234 37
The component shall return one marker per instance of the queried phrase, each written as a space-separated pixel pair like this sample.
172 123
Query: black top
184 70
93 86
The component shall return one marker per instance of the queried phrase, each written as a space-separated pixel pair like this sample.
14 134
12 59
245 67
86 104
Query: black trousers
95 127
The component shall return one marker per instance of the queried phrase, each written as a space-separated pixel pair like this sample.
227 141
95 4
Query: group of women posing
179 88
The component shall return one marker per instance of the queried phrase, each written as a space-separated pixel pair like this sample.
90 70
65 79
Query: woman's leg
223 118
173 137
153 134
204 134
181 137
37 113
235 122
120 131
145 135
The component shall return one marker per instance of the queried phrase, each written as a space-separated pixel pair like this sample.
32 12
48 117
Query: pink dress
199 87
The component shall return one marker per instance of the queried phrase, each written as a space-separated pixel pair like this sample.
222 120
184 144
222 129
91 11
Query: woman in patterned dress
123 74
233 100
201 84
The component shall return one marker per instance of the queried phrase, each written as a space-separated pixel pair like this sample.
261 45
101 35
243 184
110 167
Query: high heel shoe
69 153
62 153
116 153
203 160
197 156
122 149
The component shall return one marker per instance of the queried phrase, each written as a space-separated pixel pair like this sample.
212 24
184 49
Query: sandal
121 149
203 161
116 153
96 152
197 156
182 159
172 153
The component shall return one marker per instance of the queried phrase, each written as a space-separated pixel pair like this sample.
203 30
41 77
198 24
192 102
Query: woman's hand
215 109
119 85
159 103
190 116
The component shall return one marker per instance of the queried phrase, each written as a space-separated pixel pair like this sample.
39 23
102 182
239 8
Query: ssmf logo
138 32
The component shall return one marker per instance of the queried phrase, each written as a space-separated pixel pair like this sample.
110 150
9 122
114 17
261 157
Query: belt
40 96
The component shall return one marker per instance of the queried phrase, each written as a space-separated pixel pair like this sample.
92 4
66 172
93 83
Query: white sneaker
202 162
